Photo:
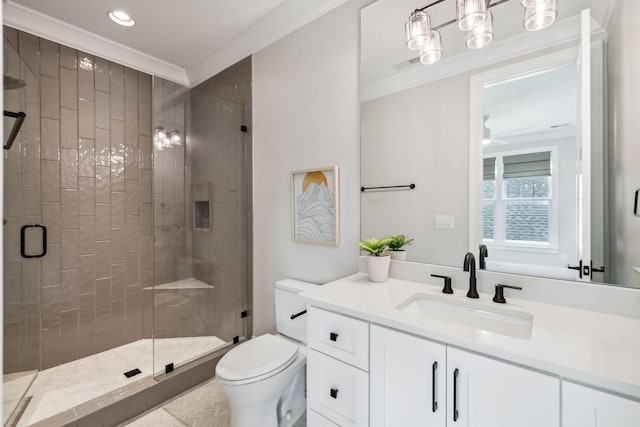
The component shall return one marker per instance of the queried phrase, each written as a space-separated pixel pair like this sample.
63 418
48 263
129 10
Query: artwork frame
315 206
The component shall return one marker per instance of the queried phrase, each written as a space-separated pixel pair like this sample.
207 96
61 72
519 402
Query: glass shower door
24 238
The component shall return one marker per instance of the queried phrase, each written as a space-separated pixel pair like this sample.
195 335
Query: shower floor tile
203 406
63 387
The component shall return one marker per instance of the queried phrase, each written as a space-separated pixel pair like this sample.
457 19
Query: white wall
306 115
624 129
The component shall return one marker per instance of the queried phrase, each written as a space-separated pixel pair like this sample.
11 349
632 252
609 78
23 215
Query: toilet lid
256 357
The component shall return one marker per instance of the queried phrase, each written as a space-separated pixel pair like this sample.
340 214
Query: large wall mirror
528 145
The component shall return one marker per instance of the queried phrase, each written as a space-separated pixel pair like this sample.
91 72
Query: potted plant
396 243
377 261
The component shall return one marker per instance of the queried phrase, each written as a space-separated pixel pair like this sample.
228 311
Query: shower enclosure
125 226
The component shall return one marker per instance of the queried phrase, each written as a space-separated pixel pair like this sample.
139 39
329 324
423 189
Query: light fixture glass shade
431 52
470 13
530 3
160 137
175 139
542 14
417 29
481 35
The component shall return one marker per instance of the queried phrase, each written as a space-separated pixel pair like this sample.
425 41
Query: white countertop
597 349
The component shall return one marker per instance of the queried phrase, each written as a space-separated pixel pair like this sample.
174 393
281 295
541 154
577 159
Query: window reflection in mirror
529 215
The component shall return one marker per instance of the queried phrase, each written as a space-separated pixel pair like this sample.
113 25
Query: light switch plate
444 221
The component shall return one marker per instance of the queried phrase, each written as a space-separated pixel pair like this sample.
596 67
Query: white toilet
264 378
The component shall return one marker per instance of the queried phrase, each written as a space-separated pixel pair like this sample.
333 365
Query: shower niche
202 207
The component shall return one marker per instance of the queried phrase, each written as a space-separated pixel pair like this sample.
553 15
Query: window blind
489 168
526 165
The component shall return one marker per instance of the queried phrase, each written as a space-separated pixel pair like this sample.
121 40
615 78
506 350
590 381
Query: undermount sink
497 319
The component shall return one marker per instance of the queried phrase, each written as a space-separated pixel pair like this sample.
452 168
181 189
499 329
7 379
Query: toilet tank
289 303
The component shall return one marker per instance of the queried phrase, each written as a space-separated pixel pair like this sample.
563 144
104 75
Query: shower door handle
23 245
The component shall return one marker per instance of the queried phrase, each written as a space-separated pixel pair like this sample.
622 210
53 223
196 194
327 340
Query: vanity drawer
342 337
338 391
314 419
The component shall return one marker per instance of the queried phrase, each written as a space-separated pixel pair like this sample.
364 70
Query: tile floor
63 387
202 406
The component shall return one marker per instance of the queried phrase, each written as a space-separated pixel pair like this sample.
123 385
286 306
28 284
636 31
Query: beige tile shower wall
172 261
92 121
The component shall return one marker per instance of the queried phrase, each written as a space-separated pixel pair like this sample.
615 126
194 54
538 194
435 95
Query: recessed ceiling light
122 18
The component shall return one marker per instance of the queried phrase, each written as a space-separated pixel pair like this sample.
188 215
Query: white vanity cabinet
586 407
413 382
483 392
337 368
407 380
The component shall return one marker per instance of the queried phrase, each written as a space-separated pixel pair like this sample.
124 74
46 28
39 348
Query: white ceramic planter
378 267
400 255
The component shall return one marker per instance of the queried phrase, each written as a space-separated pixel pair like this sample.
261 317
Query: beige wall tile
103 221
103 259
86 157
31 279
144 118
131 197
86 119
51 265
50 181
131 89
51 219
146 251
117 100
117 73
87 312
68 58
49 97
87 271
86 88
50 307
117 156
145 152
133 267
31 201
68 128
118 281
50 339
29 47
102 74
87 235
69 336
49 62
144 188
69 168
103 297
131 241
50 138
144 87
103 120
117 324
103 184
86 344
69 208
68 88
87 196
69 249
117 210
103 147
118 243
69 289
145 223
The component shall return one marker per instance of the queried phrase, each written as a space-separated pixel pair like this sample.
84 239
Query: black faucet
484 252
470 265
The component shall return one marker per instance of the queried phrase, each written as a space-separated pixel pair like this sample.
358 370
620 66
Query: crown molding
25 19
285 19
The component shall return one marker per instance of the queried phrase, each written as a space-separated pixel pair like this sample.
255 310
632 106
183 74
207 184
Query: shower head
11 83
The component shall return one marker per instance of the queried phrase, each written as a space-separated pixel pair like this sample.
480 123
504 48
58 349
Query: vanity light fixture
473 17
160 137
122 18
174 138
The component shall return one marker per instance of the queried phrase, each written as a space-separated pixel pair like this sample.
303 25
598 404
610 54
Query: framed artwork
315 206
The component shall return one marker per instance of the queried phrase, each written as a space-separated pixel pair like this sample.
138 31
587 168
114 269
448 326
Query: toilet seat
256 359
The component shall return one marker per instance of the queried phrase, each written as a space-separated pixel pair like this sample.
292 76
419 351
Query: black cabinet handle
455 395
23 244
333 336
576 267
334 393
434 403
293 316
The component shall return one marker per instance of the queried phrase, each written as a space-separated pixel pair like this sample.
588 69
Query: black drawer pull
434 403
334 393
293 316
333 336
23 244
455 395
